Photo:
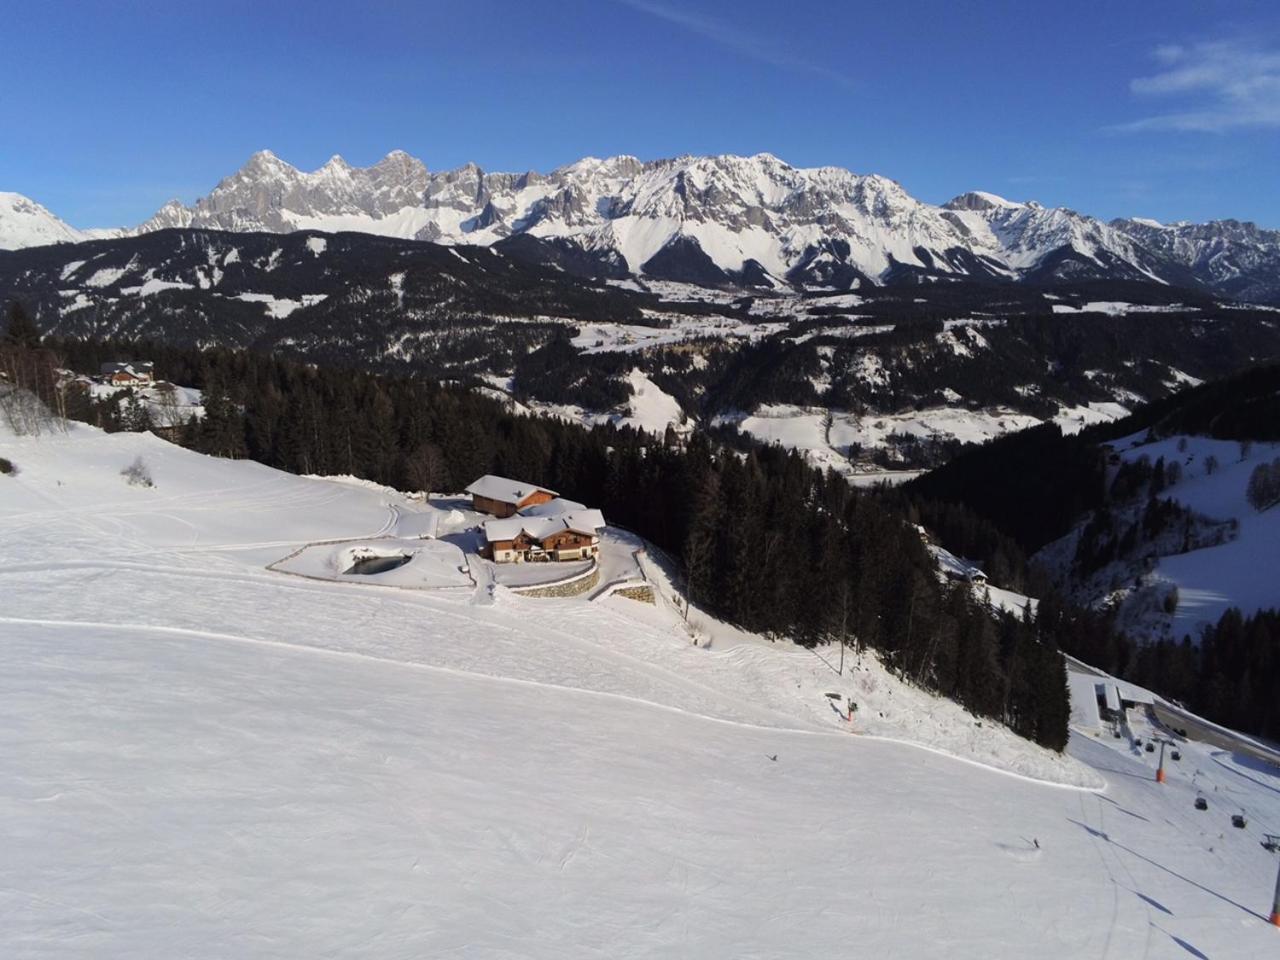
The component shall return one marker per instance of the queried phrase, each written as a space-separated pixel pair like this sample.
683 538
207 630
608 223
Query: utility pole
1160 770
1272 844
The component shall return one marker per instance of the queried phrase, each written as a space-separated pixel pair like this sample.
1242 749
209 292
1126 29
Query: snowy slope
199 758
25 223
835 439
1239 573
1224 554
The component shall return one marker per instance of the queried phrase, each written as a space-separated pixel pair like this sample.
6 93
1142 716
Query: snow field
201 758
825 437
218 798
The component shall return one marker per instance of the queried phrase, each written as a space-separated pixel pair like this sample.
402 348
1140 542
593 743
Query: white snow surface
203 758
651 408
1117 308
826 437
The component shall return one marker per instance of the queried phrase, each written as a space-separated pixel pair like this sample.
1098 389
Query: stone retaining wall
643 594
565 588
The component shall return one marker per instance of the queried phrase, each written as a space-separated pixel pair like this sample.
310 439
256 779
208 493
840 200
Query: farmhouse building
503 498
128 372
571 535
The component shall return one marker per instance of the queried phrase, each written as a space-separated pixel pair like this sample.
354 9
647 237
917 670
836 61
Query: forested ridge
767 542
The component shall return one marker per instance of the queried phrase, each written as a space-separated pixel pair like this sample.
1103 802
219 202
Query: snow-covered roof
1131 693
503 489
957 567
579 521
1112 695
553 508
137 368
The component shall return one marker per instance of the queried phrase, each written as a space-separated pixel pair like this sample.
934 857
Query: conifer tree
20 330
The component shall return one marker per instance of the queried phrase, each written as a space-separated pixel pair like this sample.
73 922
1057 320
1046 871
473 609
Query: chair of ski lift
1202 803
1177 755
1151 747
1238 821
1271 843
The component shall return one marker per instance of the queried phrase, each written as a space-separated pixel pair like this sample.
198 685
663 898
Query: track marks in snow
139 629
1123 929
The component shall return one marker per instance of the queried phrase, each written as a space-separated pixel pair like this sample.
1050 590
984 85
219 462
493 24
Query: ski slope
203 758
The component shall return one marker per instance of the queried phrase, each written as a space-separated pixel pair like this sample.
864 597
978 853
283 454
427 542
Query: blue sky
1164 109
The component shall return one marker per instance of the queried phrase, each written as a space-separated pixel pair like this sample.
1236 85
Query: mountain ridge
724 220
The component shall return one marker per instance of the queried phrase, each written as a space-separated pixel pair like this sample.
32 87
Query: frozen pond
370 565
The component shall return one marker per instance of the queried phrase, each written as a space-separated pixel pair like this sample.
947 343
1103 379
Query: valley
885 380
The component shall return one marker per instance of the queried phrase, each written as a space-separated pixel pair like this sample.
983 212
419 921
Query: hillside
1147 522
464 771
1218 552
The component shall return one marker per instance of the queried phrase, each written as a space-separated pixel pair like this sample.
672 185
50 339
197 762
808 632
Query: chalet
957 568
127 373
571 535
503 498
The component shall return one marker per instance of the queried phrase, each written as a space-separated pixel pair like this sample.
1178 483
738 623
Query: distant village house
127 373
503 498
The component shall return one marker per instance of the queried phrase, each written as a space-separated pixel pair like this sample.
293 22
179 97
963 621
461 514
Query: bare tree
29 377
1263 490
23 411
168 410
425 468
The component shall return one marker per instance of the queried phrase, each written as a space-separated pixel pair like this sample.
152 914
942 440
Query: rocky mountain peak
978 200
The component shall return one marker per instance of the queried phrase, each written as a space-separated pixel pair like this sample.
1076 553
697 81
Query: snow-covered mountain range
711 220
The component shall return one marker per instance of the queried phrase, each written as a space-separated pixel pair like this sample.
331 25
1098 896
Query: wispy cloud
1218 86
734 38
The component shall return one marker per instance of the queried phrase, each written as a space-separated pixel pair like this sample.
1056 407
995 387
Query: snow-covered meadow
200 757
1243 572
